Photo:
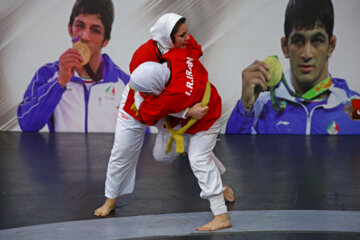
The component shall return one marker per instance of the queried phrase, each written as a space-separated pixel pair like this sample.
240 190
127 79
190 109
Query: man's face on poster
90 30
308 51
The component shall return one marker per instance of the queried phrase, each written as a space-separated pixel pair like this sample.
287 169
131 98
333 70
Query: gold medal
83 49
275 74
275 71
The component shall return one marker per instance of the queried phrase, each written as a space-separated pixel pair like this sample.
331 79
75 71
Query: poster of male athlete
46 86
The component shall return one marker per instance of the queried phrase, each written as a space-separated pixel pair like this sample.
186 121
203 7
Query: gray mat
183 224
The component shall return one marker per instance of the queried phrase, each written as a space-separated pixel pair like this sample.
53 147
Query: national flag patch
110 91
333 128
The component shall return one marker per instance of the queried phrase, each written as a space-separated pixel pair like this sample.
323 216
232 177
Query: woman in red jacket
129 133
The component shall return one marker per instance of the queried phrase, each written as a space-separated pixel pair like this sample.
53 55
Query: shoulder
49 68
342 84
148 47
114 69
110 64
46 71
150 44
146 52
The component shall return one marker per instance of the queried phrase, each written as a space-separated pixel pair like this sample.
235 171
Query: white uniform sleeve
181 114
138 99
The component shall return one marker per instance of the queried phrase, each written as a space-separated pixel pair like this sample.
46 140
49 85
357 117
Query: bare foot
105 209
228 193
219 222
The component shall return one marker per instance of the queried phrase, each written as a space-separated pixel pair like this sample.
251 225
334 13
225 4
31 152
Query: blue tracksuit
298 117
77 107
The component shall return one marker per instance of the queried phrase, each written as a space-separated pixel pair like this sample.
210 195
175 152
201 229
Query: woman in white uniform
151 79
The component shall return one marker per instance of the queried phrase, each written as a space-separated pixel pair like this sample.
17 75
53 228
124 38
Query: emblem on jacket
285 123
110 93
333 128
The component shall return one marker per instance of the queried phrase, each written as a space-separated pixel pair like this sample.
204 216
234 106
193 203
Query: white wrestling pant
129 137
162 139
206 167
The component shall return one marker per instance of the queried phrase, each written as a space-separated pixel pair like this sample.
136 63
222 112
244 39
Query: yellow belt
177 134
133 107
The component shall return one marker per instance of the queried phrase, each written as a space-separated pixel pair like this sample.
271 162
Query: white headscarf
162 29
150 77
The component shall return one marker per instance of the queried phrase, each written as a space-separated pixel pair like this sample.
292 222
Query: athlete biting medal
83 50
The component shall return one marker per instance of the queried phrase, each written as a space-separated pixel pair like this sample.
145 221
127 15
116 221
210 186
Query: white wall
233 33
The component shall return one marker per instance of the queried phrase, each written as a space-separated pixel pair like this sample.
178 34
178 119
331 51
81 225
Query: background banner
233 34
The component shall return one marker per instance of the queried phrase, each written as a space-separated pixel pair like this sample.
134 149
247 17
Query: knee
157 156
163 157
199 158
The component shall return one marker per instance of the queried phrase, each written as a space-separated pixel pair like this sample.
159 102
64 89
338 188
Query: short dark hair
306 14
176 28
103 8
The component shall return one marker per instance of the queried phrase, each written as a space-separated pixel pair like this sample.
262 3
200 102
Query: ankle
222 216
110 201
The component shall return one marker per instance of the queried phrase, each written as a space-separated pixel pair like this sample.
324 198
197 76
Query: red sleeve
156 108
194 47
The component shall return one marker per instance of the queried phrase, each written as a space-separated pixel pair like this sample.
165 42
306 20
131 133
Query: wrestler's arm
196 110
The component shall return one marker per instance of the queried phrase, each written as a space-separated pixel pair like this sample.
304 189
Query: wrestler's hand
196 111
254 81
68 61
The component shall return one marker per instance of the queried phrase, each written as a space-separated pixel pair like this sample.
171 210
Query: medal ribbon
276 76
99 73
315 91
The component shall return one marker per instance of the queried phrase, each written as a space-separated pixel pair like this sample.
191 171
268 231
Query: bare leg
228 193
219 222
106 209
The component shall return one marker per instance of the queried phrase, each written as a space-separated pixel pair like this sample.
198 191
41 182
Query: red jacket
150 52
186 87
146 52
